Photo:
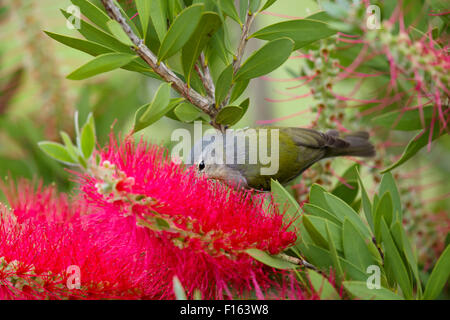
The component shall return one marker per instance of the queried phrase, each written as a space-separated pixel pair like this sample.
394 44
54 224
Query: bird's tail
357 144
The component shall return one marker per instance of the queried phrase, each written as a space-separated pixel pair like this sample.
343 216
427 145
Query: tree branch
206 78
203 103
298 261
243 41
241 50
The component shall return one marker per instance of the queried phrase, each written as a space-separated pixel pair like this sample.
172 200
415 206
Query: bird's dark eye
201 165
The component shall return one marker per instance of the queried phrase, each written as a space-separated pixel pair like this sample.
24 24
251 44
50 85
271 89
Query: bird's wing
309 138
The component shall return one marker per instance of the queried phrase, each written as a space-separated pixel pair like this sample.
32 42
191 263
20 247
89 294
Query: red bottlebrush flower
140 220
185 225
43 236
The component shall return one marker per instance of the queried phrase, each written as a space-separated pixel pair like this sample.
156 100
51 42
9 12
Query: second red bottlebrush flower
186 226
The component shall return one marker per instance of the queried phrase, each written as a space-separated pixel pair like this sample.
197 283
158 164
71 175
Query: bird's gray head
209 157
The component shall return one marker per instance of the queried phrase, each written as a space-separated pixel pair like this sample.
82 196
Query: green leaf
344 192
334 255
319 212
439 276
144 9
155 110
367 206
404 246
229 115
271 261
342 210
322 286
118 33
318 225
159 103
388 185
219 46
238 89
254 6
70 148
316 255
98 36
355 246
223 84
383 210
92 48
210 22
180 31
393 261
272 55
88 138
100 64
56 151
302 32
360 290
267 4
317 197
286 202
406 121
158 13
415 145
227 7
315 235
93 13
178 289
186 112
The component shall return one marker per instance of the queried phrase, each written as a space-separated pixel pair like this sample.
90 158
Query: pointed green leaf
100 64
227 7
322 286
271 261
416 144
383 209
238 89
88 138
223 84
317 197
93 13
286 202
302 32
394 261
158 13
367 206
265 60
70 148
356 246
56 151
159 103
209 23
98 36
144 9
342 210
118 33
92 48
406 121
319 212
180 31
268 4
334 255
439 276
388 184
315 235
360 290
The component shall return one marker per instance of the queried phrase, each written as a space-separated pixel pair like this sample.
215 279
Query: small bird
298 149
